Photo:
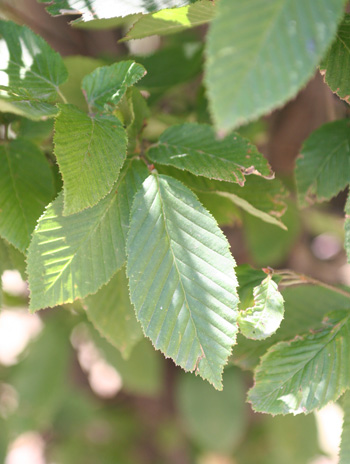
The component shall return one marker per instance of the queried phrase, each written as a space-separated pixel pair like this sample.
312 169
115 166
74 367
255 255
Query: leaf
336 64
72 256
195 148
323 168
90 151
305 306
181 277
103 9
259 54
260 197
171 21
265 317
11 258
26 187
198 404
347 227
111 312
30 72
306 373
105 86
344 455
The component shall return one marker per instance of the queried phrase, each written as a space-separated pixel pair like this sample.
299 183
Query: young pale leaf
260 197
305 373
173 20
30 71
265 317
259 54
181 277
305 307
104 9
323 168
195 148
336 65
26 187
113 315
90 151
104 87
72 256
347 228
344 455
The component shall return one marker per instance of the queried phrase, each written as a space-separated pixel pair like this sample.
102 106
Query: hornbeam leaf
26 187
305 373
90 151
259 54
30 72
323 168
113 315
344 454
173 20
195 148
181 277
336 65
72 256
104 9
260 197
105 86
347 227
264 318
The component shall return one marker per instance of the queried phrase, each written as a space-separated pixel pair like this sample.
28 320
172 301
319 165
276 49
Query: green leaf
72 256
111 312
11 258
26 187
138 112
215 421
336 64
344 455
323 168
30 72
90 151
264 318
347 227
195 148
259 54
102 9
104 87
305 306
181 277
220 207
260 197
306 373
170 21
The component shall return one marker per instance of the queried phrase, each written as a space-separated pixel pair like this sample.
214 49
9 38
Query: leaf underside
265 317
72 256
181 277
90 152
306 373
323 168
259 54
195 148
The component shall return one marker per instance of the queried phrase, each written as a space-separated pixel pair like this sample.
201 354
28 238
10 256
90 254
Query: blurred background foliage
67 395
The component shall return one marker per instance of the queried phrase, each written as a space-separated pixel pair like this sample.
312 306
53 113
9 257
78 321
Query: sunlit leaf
90 151
195 148
26 187
264 318
181 277
174 20
306 373
259 54
72 256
